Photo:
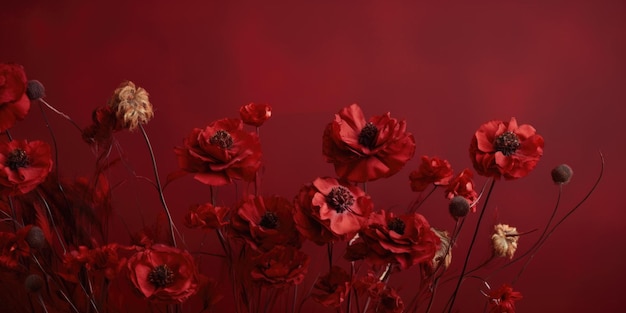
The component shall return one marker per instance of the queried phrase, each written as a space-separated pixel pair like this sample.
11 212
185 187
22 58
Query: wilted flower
443 256
504 240
131 106
504 149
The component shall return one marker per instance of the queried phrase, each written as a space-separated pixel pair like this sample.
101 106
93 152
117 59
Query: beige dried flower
504 240
131 106
443 256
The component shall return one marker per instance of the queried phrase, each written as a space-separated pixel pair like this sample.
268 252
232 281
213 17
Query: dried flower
33 283
35 90
35 238
443 256
504 240
131 106
562 174
458 207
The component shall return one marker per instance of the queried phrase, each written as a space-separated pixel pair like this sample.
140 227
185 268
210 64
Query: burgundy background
446 69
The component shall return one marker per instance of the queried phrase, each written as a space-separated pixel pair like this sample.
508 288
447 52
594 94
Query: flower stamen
340 199
397 225
269 220
222 138
367 136
507 143
16 159
161 276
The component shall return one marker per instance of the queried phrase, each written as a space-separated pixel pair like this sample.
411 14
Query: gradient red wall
446 69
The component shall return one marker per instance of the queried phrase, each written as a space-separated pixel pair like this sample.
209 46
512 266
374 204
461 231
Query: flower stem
469 252
159 186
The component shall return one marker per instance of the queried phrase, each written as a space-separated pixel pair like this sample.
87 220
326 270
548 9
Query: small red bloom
363 150
265 222
280 267
500 149
463 185
332 289
431 171
406 240
104 124
502 300
23 165
389 302
14 103
221 152
327 210
255 114
206 216
164 274
13 246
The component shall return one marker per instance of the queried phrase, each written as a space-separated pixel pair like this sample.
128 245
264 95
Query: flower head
23 166
504 149
163 274
131 106
206 216
463 185
328 210
221 152
363 150
502 300
504 240
431 171
279 267
14 102
332 289
562 174
255 114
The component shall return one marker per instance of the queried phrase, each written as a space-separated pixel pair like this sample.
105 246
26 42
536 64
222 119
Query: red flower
265 222
389 302
405 240
221 152
431 171
23 165
332 289
102 260
13 246
14 103
255 114
502 300
206 216
164 274
104 124
364 151
328 210
501 149
280 267
463 185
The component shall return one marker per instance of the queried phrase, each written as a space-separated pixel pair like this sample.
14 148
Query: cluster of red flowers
55 239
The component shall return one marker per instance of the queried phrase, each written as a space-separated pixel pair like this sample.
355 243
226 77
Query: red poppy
501 149
463 185
502 300
327 210
103 260
389 302
405 240
14 103
332 289
431 171
206 216
221 152
13 246
164 274
363 150
255 114
280 267
265 222
23 165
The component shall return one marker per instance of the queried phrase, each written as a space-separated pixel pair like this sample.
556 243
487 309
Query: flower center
222 138
340 199
507 143
367 136
269 220
16 159
161 276
397 225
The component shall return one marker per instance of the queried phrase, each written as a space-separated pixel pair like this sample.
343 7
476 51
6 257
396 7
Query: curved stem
159 186
469 252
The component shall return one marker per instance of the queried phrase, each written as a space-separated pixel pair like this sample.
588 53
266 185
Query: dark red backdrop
558 65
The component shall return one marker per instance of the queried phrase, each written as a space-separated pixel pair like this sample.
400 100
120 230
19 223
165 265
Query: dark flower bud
35 90
562 174
459 207
35 238
33 283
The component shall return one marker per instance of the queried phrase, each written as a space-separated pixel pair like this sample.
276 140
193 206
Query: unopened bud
459 207
35 90
35 238
33 283
562 174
